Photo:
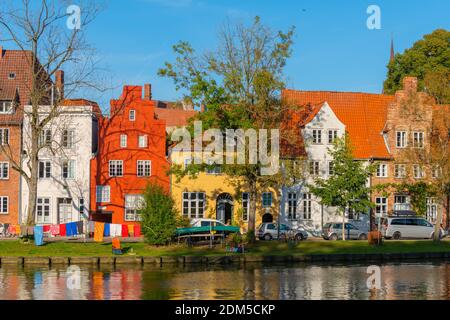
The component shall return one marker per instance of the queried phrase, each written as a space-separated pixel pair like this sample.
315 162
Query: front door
224 208
65 210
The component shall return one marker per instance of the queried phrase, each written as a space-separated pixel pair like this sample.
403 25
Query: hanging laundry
124 230
131 230
5 229
116 230
46 228
91 227
54 230
137 230
107 230
38 235
62 230
80 227
98 232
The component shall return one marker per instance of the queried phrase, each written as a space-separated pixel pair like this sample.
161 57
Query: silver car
408 227
269 231
333 231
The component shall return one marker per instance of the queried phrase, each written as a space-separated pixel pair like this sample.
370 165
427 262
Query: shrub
250 237
159 216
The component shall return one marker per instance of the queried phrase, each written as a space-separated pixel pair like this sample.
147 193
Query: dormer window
6 107
132 115
11 76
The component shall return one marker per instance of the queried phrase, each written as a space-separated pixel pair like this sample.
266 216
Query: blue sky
333 50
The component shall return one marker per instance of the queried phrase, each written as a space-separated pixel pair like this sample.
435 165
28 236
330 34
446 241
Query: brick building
131 153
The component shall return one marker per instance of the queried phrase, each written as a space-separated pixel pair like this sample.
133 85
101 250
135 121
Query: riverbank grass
263 248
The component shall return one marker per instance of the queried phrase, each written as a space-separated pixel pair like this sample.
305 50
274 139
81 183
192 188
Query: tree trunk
33 183
252 210
343 225
437 226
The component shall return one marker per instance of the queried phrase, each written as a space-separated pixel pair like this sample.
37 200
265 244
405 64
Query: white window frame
3 107
403 205
316 136
382 170
292 206
267 194
400 171
47 164
330 168
245 206
418 139
314 168
436 172
216 170
143 141
432 209
381 206
133 203
144 168
70 142
132 115
71 168
401 139
333 134
193 206
103 193
4 211
123 140
306 206
4 138
41 207
4 165
418 171
45 138
113 168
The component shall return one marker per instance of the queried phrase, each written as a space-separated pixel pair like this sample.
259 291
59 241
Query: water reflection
293 282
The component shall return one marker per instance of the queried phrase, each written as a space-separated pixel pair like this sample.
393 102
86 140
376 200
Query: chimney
147 91
59 80
202 108
1 52
410 84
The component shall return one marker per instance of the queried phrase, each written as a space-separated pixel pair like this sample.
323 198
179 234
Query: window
103 194
418 138
400 171
11 76
306 206
436 172
193 204
402 141
68 169
4 170
317 136
43 210
314 168
4 136
332 136
330 168
68 140
6 107
418 171
431 210
4 205
123 140
116 168
245 205
382 171
81 205
213 169
132 115
401 202
187 163
143 141
292 206
144 168
45 169
133 203
267 199
45 139
381 206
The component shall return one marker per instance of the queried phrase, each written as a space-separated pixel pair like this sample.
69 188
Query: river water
285 282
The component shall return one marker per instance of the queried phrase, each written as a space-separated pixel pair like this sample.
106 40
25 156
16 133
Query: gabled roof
363 114
175 117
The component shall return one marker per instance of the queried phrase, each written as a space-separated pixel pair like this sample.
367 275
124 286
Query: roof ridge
331 91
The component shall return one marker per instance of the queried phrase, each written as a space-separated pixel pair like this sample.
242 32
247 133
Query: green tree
346 189
428 60
159 216
240 84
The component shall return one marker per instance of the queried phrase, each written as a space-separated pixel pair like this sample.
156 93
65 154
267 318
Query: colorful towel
137 230
131 230
46 228
116 230
38 235
62 230
124 230
80 227
54 230
107 230
98 232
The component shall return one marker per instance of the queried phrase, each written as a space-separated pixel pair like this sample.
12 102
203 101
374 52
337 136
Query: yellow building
216 196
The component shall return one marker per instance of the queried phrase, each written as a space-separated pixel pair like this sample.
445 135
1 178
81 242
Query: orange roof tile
175 117
363 114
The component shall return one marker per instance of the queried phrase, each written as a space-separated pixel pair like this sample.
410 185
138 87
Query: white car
408 227
206 222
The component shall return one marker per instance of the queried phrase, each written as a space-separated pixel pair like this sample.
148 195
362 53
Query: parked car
269 231
333 231
408 227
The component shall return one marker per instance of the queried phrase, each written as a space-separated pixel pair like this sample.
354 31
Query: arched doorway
224 208
267 217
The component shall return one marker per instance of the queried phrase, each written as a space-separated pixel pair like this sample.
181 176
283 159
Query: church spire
392 50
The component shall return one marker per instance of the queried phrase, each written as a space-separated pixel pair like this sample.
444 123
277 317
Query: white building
68 142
